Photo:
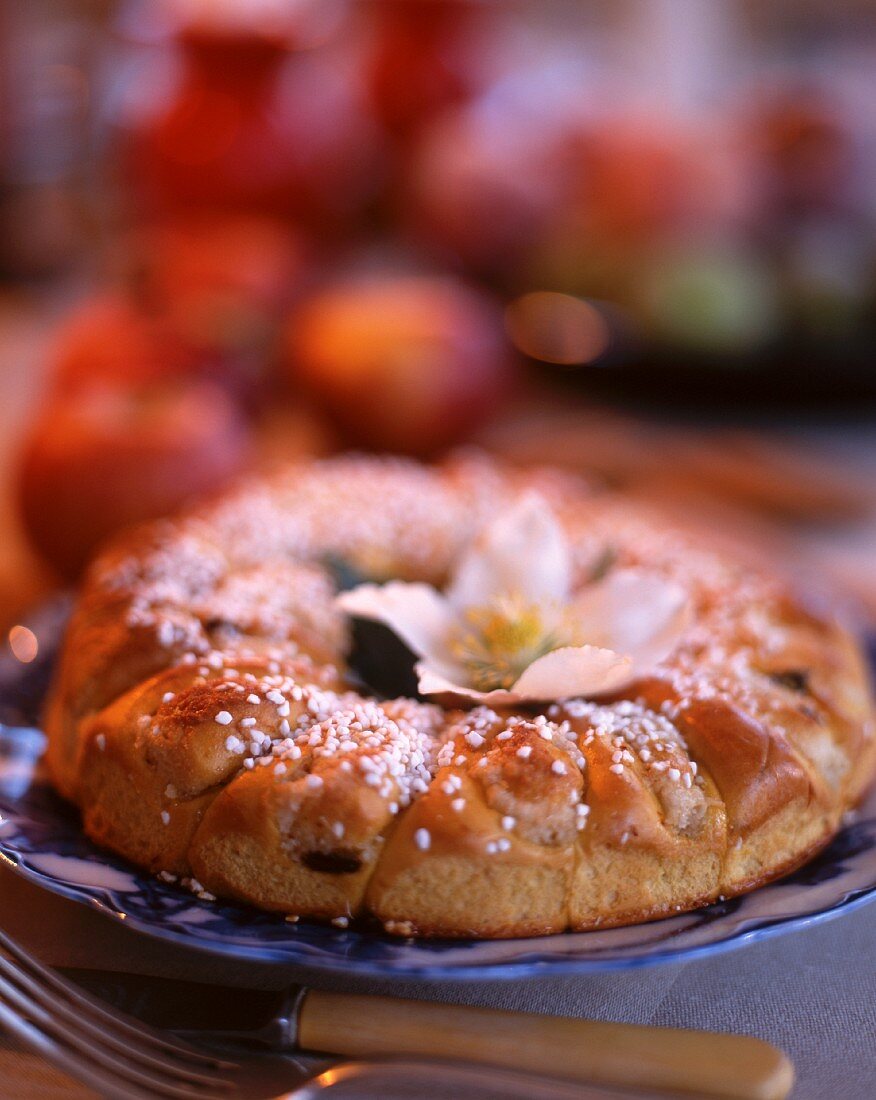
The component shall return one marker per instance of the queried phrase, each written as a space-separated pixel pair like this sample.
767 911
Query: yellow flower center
498 641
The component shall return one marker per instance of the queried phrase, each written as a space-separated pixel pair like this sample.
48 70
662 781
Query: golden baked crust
202 720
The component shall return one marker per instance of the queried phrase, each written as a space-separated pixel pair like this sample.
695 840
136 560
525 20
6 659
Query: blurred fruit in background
108 342
401 363
103 458
353 220
807 152
709 297
485 182
218 287
631 177
199 298
224 259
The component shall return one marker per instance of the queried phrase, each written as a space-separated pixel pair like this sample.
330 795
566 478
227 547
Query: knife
735 1067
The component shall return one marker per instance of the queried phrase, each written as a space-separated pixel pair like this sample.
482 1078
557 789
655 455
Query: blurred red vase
256 128
426 58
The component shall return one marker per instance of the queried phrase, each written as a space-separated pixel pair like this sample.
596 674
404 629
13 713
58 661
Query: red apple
246 261
633 182
400 362
218 287
101 459
167 327
109 341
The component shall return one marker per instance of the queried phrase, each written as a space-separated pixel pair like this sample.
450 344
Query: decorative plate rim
527 966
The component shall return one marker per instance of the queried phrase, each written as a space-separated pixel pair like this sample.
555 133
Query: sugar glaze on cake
205 720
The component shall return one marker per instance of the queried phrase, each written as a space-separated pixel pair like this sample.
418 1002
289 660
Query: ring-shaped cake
207 722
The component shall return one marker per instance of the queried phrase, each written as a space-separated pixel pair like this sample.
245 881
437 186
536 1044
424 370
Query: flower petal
525 552
640 614
417 613
435 681
571 671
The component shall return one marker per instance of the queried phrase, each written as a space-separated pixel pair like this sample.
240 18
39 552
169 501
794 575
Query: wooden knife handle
702 1062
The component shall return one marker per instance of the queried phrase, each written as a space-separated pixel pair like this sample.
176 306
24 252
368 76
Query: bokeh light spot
24 644
557 328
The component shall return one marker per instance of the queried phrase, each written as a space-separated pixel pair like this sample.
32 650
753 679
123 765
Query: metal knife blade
183 1005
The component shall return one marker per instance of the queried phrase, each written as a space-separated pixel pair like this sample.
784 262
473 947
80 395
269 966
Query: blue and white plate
40 838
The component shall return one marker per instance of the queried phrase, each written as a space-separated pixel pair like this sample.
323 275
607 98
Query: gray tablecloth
812 992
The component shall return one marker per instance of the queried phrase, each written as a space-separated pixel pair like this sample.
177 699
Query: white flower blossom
510 629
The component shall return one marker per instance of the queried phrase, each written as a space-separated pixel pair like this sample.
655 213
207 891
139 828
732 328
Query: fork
125 1059
106 1050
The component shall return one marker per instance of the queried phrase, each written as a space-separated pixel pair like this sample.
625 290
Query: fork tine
80 1026
163 1084
107 1084
134 1031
